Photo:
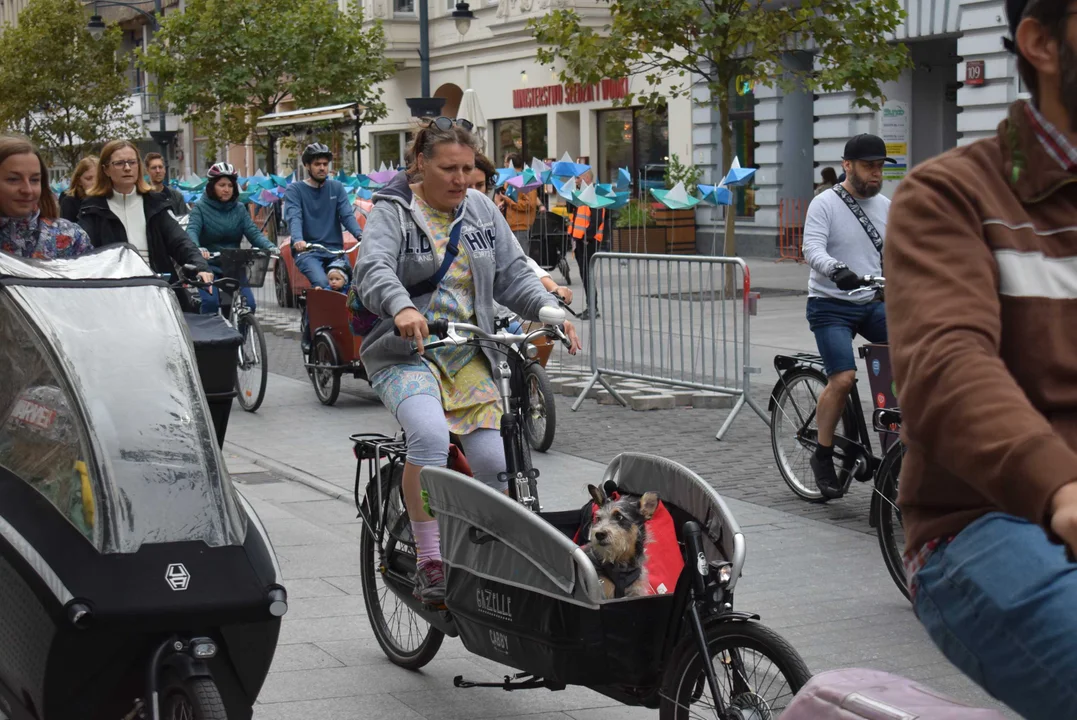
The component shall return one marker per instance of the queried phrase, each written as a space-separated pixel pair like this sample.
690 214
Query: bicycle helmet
222 169
314 151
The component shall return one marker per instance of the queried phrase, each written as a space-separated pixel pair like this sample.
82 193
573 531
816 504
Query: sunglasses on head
444 124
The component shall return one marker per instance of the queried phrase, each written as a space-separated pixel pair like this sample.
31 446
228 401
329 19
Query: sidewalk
821 585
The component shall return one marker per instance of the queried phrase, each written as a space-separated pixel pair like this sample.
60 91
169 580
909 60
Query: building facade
957 92
527 110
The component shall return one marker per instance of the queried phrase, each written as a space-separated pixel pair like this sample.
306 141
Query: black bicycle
794 439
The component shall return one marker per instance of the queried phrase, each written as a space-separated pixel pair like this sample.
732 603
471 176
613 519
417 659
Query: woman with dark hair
410 230
830 179
30 225
218 221
122 208
82 179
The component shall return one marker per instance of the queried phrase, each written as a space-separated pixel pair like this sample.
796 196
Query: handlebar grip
439 327
693 545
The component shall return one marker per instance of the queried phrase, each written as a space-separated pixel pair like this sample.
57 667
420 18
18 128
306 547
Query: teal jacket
220 226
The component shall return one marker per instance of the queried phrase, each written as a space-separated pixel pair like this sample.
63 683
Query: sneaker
586 315
430 583
826 479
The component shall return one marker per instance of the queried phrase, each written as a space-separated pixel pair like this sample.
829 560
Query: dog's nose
601 535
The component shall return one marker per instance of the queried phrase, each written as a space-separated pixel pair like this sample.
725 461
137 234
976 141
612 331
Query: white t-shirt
131 211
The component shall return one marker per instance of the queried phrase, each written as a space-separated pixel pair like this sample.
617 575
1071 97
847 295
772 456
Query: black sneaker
826 479
430 583
586 315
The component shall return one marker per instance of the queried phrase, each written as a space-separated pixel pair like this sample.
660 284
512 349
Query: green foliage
677 172
634 214
64 89
225 63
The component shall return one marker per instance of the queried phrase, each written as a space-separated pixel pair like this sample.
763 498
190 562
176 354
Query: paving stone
712 401
559 383
683 397
653 402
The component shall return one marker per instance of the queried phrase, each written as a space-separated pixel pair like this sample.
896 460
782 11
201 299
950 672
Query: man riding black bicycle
982 266
843 241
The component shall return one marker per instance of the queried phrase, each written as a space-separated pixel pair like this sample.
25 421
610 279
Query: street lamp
426 106
96 26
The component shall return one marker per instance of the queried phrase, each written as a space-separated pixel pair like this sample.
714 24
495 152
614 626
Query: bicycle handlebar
873 281
447 332
318 246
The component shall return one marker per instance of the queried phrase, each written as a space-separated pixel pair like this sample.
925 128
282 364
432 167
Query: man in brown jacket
981 259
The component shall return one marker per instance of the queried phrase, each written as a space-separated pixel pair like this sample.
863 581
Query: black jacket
167 241
69 207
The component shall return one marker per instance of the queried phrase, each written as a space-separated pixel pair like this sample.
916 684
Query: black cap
866 147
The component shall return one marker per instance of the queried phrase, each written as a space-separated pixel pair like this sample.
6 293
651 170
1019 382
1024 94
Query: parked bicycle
246 268
520 591
794 439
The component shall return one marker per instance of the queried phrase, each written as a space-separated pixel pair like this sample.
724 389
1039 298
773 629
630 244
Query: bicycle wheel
887 518
793 431
326 381
541 420
193 699
253 371
407 639
758 674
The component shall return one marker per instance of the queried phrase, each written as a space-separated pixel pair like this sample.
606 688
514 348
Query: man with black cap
981 260
843 241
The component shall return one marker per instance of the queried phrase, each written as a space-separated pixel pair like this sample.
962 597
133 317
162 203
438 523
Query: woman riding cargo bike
435 250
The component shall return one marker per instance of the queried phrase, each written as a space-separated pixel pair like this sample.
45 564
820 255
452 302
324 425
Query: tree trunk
729 248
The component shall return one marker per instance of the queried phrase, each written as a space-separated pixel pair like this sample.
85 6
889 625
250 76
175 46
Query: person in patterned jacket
30 222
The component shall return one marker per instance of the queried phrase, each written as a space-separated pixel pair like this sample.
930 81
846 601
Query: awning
329 113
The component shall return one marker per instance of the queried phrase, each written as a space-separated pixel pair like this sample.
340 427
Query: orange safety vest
582 220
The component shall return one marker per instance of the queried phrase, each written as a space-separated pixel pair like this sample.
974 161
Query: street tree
722 43
224 64
64 89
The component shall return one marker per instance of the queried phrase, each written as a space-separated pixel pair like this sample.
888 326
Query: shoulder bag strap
451 251
865 221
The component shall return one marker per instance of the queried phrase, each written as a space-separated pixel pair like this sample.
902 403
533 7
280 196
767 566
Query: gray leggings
427 431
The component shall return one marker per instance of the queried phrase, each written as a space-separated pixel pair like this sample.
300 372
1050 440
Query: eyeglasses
445 124
124 163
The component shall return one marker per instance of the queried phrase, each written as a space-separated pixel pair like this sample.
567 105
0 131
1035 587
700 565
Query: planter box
680 240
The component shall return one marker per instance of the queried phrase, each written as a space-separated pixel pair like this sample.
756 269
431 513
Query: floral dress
459 376
40 239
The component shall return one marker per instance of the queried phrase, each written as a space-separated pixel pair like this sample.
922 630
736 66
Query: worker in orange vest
588 230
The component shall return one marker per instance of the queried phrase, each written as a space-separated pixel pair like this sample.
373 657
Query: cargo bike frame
521 592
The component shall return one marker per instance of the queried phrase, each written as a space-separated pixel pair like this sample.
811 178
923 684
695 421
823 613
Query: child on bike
339 277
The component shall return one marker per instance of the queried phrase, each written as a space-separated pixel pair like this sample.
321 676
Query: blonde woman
122 208
82 180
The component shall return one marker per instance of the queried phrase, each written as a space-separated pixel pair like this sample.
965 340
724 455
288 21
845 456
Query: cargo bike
135 580
521 592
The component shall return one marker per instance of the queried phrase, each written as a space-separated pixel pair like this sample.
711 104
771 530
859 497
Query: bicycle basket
247 266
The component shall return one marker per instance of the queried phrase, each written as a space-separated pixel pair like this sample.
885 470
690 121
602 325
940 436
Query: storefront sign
895 133
974 72
570 94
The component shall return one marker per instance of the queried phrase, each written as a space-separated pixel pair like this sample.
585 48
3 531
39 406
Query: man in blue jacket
315 209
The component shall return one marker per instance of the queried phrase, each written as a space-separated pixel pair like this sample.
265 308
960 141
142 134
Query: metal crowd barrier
683 321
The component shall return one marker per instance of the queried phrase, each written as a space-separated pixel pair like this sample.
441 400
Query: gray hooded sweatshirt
396 253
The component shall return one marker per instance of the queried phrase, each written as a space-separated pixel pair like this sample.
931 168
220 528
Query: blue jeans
1000 601
316 263
211 298
835 324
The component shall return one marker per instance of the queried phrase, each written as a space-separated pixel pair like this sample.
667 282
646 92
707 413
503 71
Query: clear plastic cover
156 470
114 262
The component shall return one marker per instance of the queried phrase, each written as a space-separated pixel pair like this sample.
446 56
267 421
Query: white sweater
131 211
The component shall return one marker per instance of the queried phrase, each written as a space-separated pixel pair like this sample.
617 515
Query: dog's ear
648 504
596 495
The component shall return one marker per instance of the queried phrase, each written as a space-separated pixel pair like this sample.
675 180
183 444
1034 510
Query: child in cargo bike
413 231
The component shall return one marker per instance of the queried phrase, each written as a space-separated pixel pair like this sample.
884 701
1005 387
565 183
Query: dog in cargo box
617 543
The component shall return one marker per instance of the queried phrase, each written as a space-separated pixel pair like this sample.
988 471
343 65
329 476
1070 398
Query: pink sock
427 541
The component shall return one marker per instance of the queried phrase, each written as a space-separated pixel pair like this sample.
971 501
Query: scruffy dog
617 543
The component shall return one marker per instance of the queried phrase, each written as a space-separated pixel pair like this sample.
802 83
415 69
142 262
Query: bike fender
185 667
774 394
737 616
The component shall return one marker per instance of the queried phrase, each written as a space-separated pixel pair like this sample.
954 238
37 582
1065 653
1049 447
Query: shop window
635 139
524 135
742 117
389 148
404 7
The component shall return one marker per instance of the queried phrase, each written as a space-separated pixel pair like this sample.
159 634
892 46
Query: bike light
532 351
203 648
725 573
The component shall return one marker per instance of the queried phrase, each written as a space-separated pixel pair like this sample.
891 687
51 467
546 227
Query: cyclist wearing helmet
219 221
315 209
